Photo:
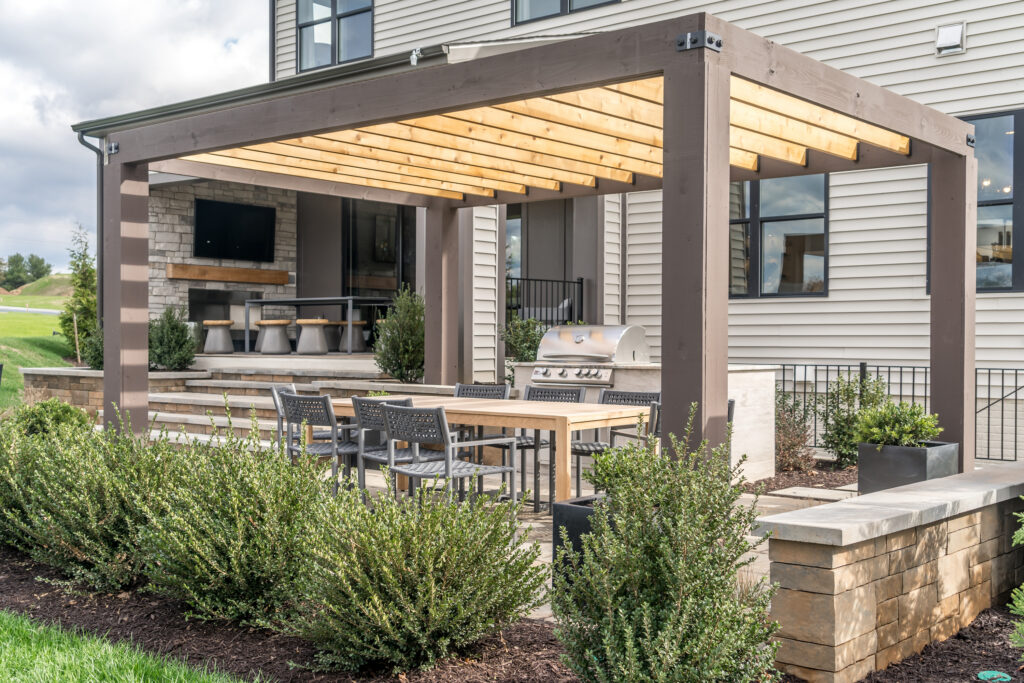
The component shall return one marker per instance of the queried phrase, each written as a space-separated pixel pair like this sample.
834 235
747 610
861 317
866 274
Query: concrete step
156 434
196 403
205 425
241 387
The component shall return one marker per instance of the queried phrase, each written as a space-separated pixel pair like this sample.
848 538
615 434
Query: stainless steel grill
588 354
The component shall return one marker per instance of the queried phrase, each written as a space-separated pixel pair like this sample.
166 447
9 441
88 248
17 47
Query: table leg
562 461
349 326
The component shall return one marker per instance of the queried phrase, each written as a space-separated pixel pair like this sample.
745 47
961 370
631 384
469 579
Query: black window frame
334 19
1016 202
564 9
755 222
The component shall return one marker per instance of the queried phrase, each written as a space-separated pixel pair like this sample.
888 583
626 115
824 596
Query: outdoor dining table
561 419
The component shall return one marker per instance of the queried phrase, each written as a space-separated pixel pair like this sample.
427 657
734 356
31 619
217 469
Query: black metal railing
552 302
999 413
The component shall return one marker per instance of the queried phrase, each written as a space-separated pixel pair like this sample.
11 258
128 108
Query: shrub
655 592
172 345
847 396
92 350
792 433
49 415
896 424
1017 596
76 499
522 339
233 529
408 583
81 305
398 349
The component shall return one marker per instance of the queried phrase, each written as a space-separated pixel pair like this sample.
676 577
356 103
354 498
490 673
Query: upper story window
530 10
334 32
778 237
999 204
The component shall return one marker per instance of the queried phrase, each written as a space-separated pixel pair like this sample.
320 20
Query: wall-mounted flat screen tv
242 232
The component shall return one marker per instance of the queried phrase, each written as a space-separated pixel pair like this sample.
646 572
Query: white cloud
65 61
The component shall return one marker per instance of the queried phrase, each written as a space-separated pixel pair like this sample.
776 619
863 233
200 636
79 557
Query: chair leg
480 457
579 475
551 475
536 470
512 477
522 472
334 473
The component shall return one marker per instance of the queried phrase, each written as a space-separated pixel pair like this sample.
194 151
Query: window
531 10
334 32
995 149
514 240
778 237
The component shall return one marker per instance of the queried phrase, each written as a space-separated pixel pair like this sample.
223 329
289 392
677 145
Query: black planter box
574 515
893 466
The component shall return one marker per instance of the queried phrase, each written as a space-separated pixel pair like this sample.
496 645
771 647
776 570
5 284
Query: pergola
685 105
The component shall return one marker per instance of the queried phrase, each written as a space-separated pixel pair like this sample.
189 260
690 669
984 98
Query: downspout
99 225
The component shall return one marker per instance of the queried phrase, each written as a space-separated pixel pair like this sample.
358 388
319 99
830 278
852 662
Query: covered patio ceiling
684 105
583 137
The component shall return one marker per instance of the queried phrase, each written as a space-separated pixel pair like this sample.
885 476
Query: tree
38 268
83 295
17 272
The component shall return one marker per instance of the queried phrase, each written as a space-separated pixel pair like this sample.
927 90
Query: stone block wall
171 230
84 388
846 611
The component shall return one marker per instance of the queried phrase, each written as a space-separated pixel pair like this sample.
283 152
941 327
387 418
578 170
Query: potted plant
897 446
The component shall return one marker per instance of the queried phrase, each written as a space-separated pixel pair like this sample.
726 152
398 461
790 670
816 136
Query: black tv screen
234 231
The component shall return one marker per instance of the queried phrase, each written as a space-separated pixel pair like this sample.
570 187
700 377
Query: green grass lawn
49 292
30 652
27 341
22 300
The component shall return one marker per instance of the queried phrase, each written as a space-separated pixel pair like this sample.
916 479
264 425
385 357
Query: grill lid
595 343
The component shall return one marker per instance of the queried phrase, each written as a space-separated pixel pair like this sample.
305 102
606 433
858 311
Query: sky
66 61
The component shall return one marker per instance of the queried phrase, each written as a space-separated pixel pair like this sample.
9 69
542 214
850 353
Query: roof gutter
99 225
314 80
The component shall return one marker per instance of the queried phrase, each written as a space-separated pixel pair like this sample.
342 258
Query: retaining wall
84 388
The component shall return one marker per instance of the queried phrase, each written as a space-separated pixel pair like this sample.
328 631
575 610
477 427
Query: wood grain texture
188 271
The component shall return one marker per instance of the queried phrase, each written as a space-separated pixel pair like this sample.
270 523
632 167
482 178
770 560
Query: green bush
656 592
49 415
92 350
233 529
80 308
847 396
76 500
398 349
172 345
1017 596
522 339
405 583
896 424
792 433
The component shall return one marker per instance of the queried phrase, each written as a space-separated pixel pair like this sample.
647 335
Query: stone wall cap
86 372
878 514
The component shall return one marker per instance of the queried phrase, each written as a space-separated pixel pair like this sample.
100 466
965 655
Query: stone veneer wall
846 611
171 225
84 388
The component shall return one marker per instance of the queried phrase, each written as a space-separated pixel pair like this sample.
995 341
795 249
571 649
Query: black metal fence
999 412
552 302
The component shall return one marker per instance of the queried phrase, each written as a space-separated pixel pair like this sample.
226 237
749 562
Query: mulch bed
527 651
822 476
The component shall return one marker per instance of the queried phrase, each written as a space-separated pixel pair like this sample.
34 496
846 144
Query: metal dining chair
316 411
429 426
493 392
275 391
369 414
654 422
613 397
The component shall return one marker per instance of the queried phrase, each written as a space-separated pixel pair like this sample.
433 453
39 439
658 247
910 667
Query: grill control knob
580 372
545 371
563 373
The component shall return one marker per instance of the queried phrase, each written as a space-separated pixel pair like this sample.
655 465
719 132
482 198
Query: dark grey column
126 294
695 246
441 293
954 197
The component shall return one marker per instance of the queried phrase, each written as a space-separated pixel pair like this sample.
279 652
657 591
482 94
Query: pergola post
126 295
441 293
954 198
695 246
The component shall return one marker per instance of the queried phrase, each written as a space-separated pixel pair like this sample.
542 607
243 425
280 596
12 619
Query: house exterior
861 292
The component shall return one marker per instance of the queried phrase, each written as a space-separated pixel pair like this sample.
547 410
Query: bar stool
332 331
218 336
312 341
273 337
358 342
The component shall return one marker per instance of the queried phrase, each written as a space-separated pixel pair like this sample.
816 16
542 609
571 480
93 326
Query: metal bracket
113 148
696 39
970 140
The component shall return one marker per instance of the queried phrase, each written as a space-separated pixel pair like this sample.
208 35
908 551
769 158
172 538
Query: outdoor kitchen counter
559 418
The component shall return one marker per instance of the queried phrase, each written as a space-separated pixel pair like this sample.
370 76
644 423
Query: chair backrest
614 397
417 425
315 411
654 421
275 393
496 391
370 411
536 392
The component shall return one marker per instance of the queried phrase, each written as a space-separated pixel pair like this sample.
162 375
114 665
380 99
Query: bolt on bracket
696 39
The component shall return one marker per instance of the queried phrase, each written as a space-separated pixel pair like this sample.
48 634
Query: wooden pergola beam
613 103
585 126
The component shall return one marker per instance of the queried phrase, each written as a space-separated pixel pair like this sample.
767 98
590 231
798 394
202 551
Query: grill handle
572 356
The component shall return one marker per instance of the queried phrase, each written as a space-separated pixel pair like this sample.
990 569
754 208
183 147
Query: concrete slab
848 487
822 494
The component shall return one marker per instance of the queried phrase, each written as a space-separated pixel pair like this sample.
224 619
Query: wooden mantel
184 271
